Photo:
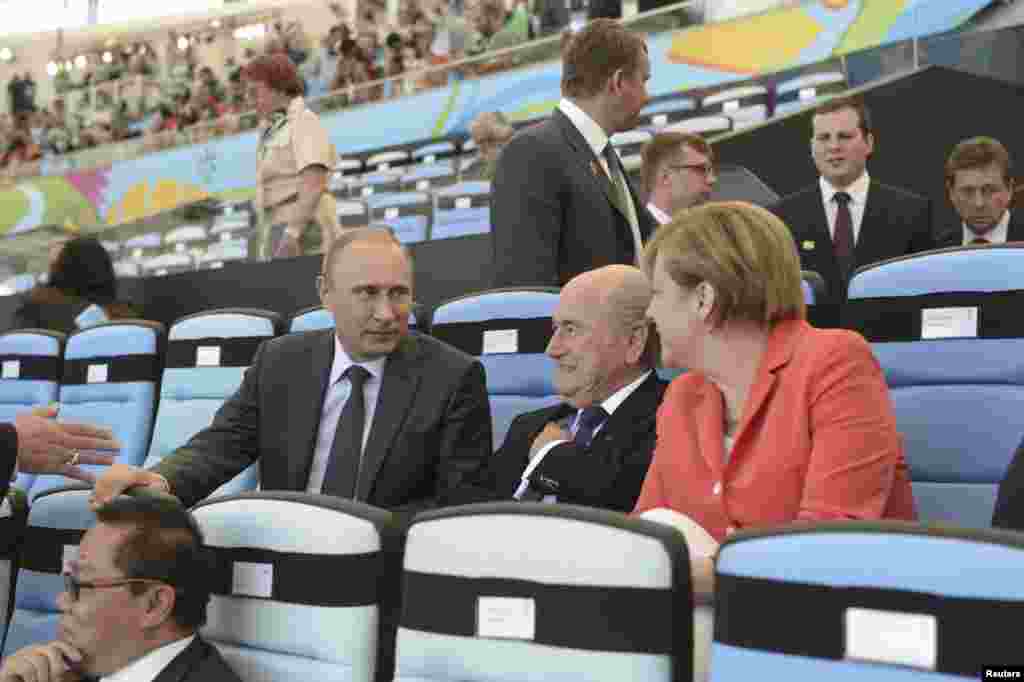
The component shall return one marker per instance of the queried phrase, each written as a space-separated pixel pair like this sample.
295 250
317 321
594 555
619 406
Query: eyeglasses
705 169
73 586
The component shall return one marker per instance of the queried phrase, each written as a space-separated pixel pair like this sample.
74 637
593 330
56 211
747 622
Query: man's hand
551 432
46 446
122 477
51 662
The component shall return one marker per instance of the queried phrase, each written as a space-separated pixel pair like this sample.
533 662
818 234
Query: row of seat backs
315 587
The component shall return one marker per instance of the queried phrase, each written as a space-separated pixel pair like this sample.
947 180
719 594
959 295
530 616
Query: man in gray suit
561 202
370 411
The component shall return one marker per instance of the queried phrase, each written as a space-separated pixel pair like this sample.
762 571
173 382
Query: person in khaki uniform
294 156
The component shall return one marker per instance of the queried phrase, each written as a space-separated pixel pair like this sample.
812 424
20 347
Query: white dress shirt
610 404
659 215
858 192
147 668
339 389
597 139
997 235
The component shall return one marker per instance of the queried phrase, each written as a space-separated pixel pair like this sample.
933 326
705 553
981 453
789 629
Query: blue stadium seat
429 176
319 317
110 376
657 115
959 401
352 213
813 285
462 209
527 591
318 613
207 355
407 213
30 363
882 601
383 161
375 183
508 329
433 152
807 91
628 145
56 522
744 105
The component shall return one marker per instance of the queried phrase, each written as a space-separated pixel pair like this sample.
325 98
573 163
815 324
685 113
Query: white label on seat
423 185
506 617
390 213
216 265
229 209
383 166
501 341
659 119
179 247
891 637
949 323
208 356
367 191
351 209
731 105
463 202
96 374
429 158
68 557
225 236
808 93
11 369
252 580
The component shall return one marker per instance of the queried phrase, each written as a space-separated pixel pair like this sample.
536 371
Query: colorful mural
697 57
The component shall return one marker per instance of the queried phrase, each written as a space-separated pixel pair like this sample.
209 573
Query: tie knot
592 417
357 375
980 241
842 198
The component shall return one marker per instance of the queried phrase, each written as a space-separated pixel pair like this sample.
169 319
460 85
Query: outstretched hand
46 446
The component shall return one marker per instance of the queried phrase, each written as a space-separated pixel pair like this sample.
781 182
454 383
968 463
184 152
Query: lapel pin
807 245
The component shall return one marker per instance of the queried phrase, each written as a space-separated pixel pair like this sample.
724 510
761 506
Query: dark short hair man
979 184
678 172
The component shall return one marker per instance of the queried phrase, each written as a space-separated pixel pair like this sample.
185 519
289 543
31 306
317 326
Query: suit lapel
398 388
871 241
183 663
1015 232
311 391
585 157
635 412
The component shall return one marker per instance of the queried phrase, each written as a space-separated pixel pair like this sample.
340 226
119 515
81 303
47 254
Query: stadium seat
207 354
423 178
17 284
375 183
109 378
813 285
886 602
387 160
352 213
745 105
407 213
127 268
349 167
56 522
235 220
30 364
526 591
462 209
299 585
628 144
168 264
953 357
806 91
508 329
701 125
223 251
431 153
657 115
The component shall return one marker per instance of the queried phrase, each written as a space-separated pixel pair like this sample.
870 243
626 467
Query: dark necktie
343 468
589 421
842 241
980 241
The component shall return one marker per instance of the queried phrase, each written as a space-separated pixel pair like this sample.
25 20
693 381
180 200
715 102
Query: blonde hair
744 251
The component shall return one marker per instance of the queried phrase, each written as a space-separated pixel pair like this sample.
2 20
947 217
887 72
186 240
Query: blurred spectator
497 30
82 290
21 93
490 130
548 17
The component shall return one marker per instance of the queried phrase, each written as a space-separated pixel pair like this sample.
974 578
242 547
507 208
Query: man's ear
637 342
159 606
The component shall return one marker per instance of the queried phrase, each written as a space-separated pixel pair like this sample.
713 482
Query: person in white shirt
594 448
134 600
678 172
979 184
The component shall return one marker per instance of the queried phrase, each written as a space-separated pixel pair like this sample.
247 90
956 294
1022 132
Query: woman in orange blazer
776 421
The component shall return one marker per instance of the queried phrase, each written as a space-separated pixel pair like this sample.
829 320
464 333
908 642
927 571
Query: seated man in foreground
135 599
593 449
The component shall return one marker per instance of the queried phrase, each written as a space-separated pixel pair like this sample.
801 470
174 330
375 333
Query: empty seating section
657 115
629 144
110 379
207 355
891 601
311 319
942 329
407 213
511 591
509 331
317 614
806 91
744 106
462 209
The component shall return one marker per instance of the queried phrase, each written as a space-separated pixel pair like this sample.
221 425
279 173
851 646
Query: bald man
595 447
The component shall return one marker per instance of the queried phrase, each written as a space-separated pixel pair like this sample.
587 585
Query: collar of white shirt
858 190
997 235
342 362
612 402
147 668
659 215
589 129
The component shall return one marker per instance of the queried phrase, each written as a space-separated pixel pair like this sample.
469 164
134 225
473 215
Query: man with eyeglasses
134 601
980 187
678 172
369 411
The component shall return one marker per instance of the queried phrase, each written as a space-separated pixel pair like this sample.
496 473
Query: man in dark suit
980 187
561 202
595 448
370 411
848 219
135 600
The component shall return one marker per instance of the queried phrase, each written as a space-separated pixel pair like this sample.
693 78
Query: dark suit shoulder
895 193
426 349
199 662
297 342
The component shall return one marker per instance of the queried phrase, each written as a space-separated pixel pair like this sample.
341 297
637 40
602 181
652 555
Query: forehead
845 119
691 155
581 304
372 262
979 175
99 546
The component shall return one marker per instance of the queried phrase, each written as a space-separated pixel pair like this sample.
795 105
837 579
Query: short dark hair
373 232
277 71
83 269
594 54
663 147
978 152
855 102
165 544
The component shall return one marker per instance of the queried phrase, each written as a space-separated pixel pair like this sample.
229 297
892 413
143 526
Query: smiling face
679 315
839 147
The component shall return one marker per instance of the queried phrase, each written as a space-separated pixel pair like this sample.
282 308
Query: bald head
622 291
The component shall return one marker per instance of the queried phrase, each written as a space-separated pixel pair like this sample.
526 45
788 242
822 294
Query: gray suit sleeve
466 439
526 216
222 450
